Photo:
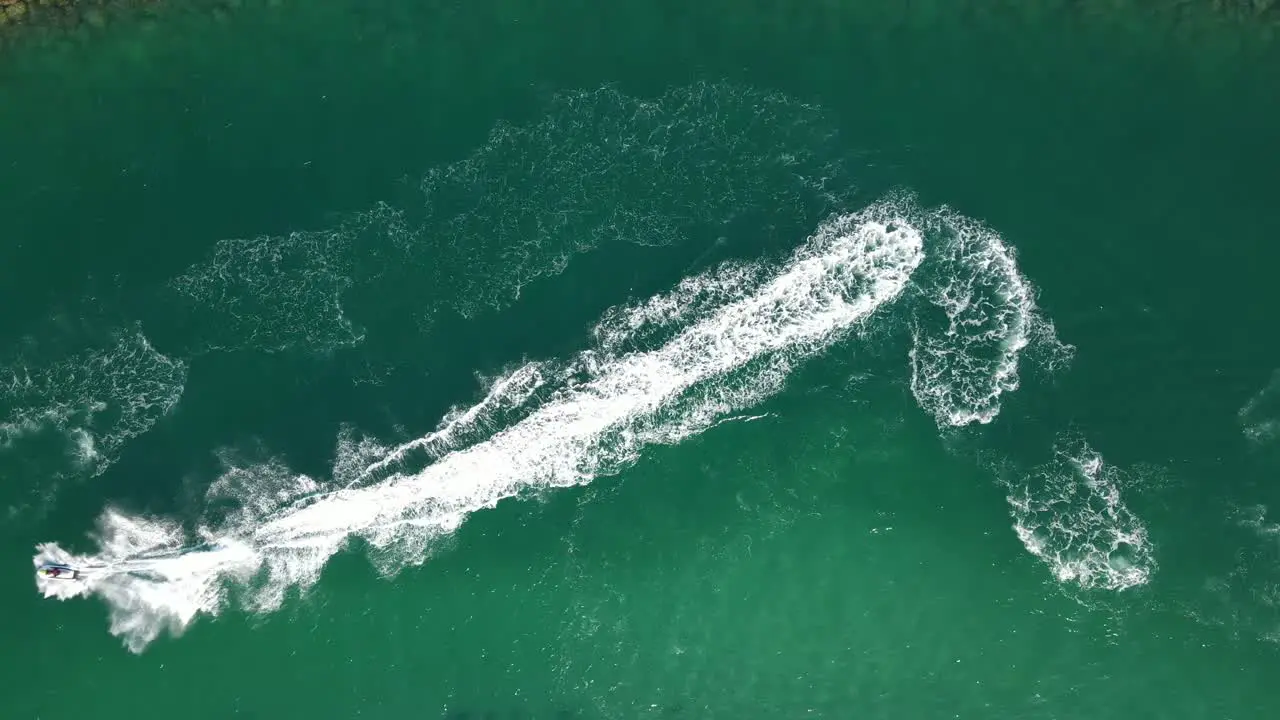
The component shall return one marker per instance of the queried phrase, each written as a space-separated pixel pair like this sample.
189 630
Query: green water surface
836 558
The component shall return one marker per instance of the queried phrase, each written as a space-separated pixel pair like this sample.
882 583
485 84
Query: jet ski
58 571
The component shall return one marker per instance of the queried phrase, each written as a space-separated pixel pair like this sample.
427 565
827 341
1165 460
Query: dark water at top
250 259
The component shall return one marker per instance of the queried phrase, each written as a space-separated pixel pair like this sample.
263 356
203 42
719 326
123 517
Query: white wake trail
852 266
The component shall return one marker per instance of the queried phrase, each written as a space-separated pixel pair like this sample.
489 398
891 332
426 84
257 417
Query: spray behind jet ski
147 565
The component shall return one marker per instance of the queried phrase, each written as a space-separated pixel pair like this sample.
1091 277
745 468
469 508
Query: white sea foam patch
600 168
96 400
1070 514
1243 596
274 293
595 422
979 319
1260 417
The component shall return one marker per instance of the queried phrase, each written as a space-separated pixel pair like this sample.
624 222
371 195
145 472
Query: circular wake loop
977 321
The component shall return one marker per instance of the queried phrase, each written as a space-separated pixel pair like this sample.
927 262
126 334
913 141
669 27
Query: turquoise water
561 362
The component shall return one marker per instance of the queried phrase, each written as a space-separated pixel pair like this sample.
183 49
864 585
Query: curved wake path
660 371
